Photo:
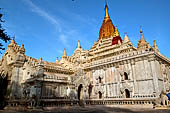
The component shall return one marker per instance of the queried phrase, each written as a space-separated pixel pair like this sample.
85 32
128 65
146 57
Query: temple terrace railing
68 102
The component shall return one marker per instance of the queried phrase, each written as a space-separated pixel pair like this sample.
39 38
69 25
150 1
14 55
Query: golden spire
106 12
116 31
64 54
107 29
126 39
78 44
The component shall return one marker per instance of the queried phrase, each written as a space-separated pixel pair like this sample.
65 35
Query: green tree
4 37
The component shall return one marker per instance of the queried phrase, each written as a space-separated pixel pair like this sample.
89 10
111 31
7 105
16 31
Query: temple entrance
3 91
80 92
127 93
100 95
90 90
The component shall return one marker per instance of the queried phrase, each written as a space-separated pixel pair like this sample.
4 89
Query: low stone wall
68 102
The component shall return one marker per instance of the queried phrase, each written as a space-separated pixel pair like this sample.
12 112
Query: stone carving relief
126 86
99 89
80 78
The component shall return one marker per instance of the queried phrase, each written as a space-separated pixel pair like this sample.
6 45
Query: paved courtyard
89 109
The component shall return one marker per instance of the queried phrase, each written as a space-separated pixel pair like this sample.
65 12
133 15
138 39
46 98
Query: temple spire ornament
13 40
78 44
142 38
155 46
126 39
116 31
142 44
57 61
22 49
106 11
41 59
107 29
64 54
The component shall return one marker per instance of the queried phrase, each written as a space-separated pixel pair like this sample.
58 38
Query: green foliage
3 35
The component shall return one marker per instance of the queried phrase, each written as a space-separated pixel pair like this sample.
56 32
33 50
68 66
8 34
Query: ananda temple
111 72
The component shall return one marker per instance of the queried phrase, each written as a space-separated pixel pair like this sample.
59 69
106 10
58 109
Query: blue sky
46 27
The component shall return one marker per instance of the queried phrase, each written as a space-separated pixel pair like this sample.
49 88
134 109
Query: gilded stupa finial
106 11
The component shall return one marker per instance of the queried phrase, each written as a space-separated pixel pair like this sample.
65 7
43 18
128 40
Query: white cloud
63 38
65 34
43 14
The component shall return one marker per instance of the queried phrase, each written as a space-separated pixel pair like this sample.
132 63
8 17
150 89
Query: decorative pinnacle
57 61
116 31
13 40
155 46
22 46
22 49
64 54
126 39
141 29
78 44
40 59
142 38
106 11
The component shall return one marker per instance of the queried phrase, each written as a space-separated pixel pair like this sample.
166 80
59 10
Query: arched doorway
80 91
127 93
3 90
90 90
100 95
